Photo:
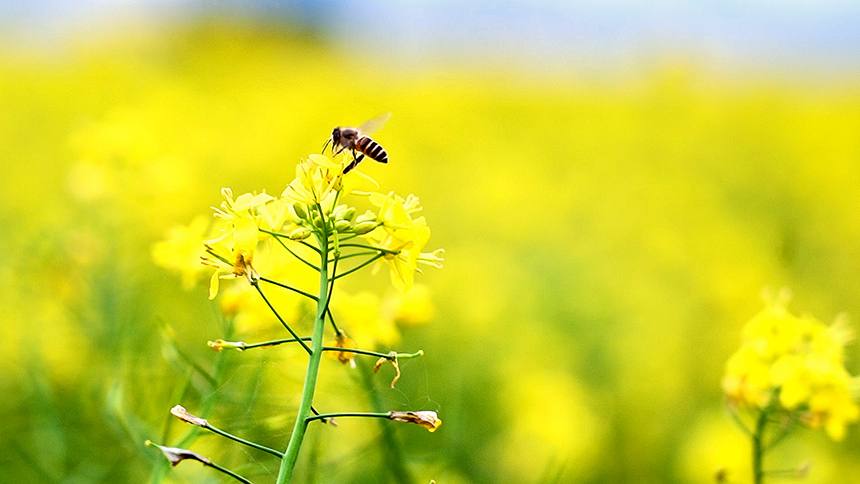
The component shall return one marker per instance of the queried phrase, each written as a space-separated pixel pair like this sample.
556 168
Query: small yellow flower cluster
403 236
313 205
796 365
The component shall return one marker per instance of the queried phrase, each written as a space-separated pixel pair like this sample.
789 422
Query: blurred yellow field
606 239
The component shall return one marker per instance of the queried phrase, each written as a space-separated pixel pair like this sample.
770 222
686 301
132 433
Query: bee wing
374 124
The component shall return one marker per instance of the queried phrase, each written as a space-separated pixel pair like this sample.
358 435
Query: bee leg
353 164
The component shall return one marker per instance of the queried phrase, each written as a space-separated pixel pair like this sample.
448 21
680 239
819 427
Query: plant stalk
758 448
288 463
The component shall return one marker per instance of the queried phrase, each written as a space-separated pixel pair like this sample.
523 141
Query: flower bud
300 233
427 419
179 412
318 222
348 214
338 211
300 211
362 228
367 216
342 225
176 455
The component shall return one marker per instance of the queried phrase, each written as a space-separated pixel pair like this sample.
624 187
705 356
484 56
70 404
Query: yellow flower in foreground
793 364
233 260
402 237
314 182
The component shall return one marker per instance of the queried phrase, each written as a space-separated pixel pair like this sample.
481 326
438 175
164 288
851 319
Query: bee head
335 135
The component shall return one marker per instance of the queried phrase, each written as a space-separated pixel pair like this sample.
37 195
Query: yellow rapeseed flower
402 237
232 254
314 182
181 250
793 364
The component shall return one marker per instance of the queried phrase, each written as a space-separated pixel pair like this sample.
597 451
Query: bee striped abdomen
372 149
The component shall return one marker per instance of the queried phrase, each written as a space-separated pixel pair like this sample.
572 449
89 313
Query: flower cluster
314 202
794 365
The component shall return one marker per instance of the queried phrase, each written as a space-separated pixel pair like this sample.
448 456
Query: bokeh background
615 184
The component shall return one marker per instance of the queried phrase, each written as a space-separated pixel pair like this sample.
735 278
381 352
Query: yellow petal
245 234
324 161
213 285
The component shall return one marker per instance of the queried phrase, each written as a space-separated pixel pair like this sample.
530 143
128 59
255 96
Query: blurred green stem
229 473
758 447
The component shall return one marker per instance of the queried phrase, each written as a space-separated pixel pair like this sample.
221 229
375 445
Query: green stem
375 249
279 235
229 473
288 463
275 342
387 356
359 254
349 414
280 284
333 324
363 264
242 441
758 448
284 323
296 255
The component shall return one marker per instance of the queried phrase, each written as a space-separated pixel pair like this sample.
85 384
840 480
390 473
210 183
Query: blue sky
555 32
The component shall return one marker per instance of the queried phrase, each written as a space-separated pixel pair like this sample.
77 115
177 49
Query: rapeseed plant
312 228
789 371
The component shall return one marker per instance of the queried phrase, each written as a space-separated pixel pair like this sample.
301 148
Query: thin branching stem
333 324
297 291
741 423
230 436
786 431
358 254
387 356
370 247
275 342
310 246
229 473
284 323
349 414
297 256
360 266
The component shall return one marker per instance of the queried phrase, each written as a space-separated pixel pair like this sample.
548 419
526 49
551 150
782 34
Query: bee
357 141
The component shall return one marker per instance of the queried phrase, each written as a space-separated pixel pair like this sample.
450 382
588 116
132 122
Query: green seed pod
362 228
